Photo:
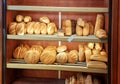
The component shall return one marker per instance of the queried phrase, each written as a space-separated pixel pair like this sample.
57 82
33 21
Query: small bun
19 18
44 19
62 48
27 19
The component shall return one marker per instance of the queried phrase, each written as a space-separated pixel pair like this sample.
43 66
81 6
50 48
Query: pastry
88 53
100 33
61 48
27 19
44 19
30 27
37 28
51 28
32 56
61 57
73 56
81 53
96 64
20 51
19 18
20 28
86 29
99 46
99 22
80 22
90 45
79 30
12 28
43 28
99 57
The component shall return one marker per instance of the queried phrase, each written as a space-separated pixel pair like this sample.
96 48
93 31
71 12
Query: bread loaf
81 53
80 22
79 30
19 18
86 29
100 33
98 46
95 51
20 28
43 28
30 27
37 28
32 56
20 51
99 22
44 19
96 64
61 57
103 53
12 28
37 47
99 57
90 45
51 28
73 56
27 19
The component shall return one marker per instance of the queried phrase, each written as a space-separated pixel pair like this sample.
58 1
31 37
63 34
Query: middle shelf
78 67
90 38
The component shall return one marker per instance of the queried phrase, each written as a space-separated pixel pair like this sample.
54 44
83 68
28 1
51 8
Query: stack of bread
84 28
25 25
82 79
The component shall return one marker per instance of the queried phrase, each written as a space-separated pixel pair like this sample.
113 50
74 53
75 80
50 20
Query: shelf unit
67 67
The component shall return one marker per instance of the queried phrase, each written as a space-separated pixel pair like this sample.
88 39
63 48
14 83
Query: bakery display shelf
78 67
56 9
90 38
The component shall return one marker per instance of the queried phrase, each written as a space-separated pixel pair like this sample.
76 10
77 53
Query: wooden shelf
56 9
78 67
90 38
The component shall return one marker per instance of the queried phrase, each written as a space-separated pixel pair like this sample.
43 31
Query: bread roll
96 64
91 45
79 30
81 54
88 53
81 22
99 57
43 28
51 28
88 79
20 28
30 27
20 51
99 46
61 57
73 56
44 19
61 48
100 33
27 19
86 29
99 22
12 28
37 28
32 56
19 18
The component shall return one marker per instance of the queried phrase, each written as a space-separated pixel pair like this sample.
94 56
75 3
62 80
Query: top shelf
56 9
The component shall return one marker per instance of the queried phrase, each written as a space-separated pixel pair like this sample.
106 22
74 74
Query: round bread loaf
73 56
27 19
19 18
61 48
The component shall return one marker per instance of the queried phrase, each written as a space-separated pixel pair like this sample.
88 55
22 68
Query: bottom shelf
38 81
79 67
